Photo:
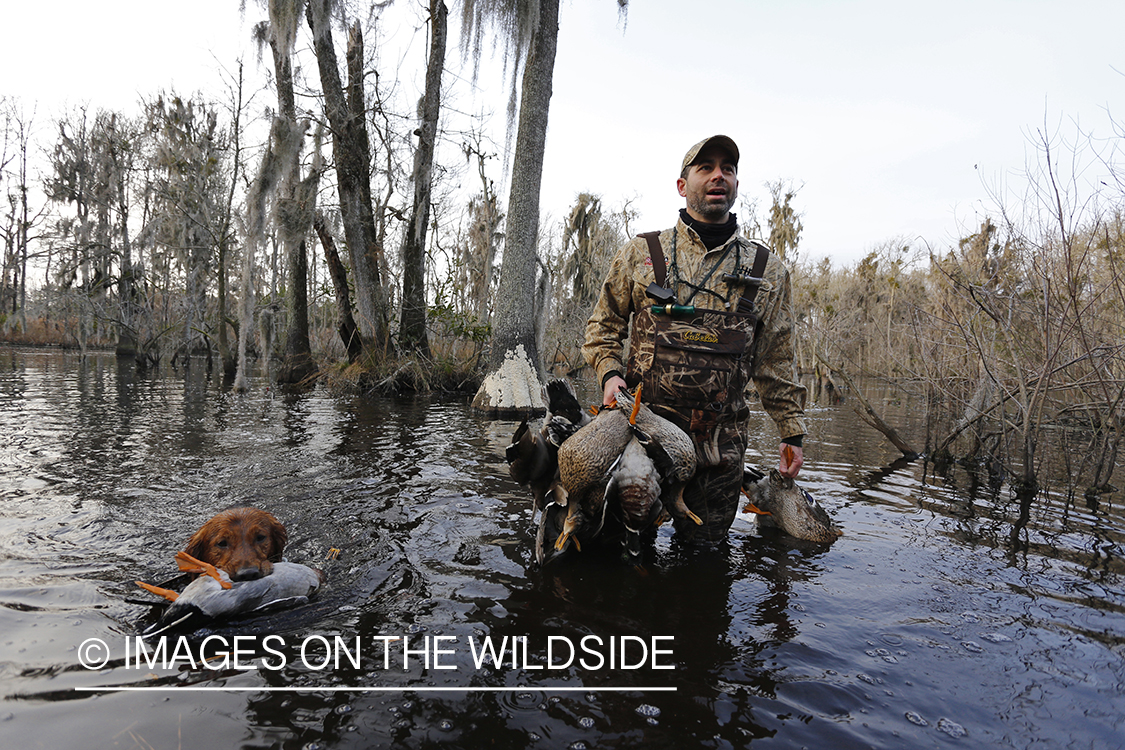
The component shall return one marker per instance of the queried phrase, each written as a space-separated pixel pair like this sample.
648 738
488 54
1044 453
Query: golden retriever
245 542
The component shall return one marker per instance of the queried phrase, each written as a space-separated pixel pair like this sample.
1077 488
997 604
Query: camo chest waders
693 367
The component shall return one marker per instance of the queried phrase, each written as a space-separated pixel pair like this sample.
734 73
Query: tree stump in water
513 391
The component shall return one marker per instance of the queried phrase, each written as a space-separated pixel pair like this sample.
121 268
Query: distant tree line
1012 339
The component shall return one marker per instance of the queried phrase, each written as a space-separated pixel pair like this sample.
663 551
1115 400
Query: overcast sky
895 118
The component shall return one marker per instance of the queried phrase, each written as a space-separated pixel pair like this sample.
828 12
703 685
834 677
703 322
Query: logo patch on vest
701 337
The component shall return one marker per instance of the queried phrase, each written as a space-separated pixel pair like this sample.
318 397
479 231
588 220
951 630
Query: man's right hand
609 393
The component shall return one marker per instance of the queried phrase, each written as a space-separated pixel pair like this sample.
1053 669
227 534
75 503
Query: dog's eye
260 538
223 543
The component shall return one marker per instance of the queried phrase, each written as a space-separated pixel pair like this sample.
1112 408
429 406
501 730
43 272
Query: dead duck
628 458
533 454
575 511
780 502
671 450
214 596
634 488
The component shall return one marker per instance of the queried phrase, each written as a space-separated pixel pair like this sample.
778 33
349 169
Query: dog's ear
279 537
198 546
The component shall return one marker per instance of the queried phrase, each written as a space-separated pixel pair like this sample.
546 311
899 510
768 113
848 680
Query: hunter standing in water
710 312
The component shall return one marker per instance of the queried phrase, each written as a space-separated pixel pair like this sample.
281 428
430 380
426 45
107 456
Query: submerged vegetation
232 229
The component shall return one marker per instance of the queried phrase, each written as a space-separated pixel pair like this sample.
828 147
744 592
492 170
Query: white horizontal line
338 689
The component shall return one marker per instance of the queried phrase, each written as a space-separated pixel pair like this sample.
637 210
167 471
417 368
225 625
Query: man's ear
681 186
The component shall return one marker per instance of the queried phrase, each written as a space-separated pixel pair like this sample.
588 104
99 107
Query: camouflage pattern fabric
768 362
693 371
714 492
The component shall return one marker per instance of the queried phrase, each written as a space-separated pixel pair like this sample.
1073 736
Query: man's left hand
792 458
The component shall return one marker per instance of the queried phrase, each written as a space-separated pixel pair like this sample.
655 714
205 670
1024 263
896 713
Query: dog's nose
247 573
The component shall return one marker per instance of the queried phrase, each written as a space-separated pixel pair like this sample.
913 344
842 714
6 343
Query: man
710 312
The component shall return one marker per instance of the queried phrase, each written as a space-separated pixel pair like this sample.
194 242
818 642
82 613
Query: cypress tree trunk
226 354
298 364
345 323
226 357
352 151
513 385
412 332
20 295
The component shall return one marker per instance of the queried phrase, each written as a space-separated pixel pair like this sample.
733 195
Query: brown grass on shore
59 332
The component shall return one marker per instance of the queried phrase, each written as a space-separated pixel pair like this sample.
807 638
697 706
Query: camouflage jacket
623 293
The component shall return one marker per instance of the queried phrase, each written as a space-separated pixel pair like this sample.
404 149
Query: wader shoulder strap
746 304
659 266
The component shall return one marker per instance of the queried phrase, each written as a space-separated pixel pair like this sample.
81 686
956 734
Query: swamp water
946 616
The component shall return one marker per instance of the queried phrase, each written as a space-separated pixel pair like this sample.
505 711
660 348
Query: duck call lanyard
692 367
745 303
702 286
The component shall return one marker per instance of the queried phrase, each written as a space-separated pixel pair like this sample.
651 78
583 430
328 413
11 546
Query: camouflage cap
721 141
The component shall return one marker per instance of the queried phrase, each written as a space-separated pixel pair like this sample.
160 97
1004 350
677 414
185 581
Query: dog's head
245 542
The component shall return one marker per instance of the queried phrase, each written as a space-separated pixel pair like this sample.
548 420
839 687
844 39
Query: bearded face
710 186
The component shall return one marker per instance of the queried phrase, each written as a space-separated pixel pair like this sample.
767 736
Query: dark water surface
946 616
